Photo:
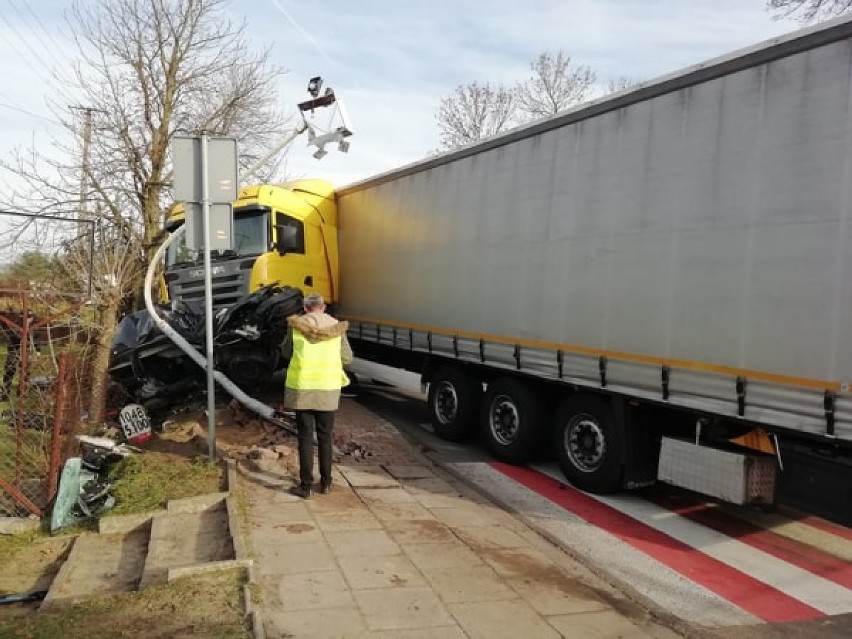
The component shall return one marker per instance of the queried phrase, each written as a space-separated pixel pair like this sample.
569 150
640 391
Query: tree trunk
100 362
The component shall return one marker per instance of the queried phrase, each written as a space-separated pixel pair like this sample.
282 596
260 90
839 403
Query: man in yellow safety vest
318 350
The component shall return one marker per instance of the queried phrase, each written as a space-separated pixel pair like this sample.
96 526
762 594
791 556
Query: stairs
133 552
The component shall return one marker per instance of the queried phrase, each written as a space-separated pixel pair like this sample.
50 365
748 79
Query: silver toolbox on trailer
739 478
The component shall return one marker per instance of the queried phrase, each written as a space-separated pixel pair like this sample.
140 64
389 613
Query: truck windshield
250 238
250 232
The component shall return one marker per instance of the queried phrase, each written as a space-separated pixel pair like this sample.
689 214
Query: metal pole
284 142
84 174
208 303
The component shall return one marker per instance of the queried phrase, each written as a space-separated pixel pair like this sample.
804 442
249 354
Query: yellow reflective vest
315 365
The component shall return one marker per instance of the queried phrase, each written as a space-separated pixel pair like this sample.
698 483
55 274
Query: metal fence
45 279
39 401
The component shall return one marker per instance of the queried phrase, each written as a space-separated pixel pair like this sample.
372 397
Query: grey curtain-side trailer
634 282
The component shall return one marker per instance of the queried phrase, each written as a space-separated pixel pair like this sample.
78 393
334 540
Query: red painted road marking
793 552
761 600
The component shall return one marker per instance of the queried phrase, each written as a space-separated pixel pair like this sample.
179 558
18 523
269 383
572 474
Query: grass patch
208 605
146 482
11 545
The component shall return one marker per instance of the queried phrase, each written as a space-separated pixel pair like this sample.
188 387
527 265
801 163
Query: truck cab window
294 229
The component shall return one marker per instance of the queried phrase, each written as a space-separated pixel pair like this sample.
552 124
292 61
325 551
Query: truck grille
227 288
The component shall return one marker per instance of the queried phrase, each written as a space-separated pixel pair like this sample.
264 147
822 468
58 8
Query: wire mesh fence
44 337
37 433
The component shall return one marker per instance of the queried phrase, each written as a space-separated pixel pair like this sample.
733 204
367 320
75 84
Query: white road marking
813 590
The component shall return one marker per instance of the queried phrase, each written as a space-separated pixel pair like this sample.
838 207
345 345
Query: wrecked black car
246 337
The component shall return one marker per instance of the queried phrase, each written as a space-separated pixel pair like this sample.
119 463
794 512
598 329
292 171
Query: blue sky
392 61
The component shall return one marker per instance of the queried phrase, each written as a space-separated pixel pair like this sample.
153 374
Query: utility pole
84 173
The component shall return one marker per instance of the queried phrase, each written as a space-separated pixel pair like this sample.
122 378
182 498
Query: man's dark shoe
301 491
325 487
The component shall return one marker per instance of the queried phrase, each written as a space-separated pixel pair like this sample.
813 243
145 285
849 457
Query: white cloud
392 61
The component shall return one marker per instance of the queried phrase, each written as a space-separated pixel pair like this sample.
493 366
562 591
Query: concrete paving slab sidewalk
406 550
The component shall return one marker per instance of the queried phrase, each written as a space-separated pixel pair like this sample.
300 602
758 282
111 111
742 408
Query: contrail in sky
304 32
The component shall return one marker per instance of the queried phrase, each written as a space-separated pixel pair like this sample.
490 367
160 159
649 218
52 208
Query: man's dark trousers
306 422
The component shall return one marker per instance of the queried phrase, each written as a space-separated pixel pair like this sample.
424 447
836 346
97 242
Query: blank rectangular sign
221 227
221 169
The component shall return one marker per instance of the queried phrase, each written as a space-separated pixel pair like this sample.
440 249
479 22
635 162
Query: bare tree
621 83
155 68
476 111
112 272
473 112
147 70
555 84
809 10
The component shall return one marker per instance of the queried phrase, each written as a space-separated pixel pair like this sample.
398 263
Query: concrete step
136 551
182 539
98 565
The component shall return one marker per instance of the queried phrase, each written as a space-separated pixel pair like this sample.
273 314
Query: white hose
254 405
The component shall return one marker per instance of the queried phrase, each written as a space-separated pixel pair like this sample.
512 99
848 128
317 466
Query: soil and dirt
199 606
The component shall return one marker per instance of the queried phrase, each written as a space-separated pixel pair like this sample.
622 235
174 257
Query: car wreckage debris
84 491
154 372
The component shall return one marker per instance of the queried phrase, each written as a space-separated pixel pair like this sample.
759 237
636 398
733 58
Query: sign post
205 176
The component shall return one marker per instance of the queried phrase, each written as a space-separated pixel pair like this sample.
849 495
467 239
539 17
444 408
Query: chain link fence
38 427
44 338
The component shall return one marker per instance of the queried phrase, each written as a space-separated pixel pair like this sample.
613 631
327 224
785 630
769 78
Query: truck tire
510 413
453 400
588 446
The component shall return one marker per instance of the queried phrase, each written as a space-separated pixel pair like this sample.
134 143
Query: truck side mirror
287 239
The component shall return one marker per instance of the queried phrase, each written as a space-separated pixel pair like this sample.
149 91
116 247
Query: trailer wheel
509 413
587 445
453 399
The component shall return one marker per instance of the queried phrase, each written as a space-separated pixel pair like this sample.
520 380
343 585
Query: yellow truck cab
283 234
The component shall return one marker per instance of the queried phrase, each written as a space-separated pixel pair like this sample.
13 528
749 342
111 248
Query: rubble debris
352 449
97 453
157 374
182 431
257 452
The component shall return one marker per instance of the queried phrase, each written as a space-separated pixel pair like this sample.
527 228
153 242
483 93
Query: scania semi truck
655 285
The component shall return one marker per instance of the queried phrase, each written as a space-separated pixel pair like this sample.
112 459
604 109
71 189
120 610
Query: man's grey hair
313 300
